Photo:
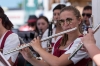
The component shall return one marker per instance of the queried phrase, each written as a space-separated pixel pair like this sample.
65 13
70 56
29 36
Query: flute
81 44
44 39
21 40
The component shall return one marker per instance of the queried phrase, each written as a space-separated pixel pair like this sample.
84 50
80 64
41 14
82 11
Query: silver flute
44 39
21 40
81 44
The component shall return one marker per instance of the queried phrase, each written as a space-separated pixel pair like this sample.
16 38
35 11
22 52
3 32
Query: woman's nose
66 23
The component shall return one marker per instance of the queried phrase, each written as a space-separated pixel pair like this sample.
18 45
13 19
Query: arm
90 45
94 53
50 59
53 60
27 54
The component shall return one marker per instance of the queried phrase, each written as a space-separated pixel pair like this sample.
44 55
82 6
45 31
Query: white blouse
12 41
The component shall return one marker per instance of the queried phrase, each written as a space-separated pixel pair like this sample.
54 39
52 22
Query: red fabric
4 39
52 44
58 52
31 20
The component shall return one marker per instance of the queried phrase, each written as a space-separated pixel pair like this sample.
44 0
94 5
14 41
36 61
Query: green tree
20 5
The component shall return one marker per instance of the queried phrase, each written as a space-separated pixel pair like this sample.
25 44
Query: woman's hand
26 53
36 44
88 39
49 48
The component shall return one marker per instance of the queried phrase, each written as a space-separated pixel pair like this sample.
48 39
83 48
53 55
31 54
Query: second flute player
69 18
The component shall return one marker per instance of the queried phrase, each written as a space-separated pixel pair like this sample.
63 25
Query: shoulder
13 36
74 45
12 40
77 41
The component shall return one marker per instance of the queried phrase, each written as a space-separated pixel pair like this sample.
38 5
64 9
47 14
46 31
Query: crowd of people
64 18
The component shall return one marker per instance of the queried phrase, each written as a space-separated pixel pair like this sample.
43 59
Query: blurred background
18 11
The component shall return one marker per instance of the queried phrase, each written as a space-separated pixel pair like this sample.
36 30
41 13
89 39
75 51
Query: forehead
87 11
56 11
41 21
66 14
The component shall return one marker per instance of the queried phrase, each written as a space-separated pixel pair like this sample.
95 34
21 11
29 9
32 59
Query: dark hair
87 7
42 17
45 18
59 7
5 20
32 20
77 14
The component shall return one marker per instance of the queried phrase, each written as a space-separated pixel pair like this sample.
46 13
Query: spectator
87 12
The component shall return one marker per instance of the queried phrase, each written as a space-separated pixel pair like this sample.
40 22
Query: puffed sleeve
80 54
12 41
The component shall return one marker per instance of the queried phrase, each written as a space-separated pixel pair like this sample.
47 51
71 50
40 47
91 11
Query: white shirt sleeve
12 41
44 43
80 54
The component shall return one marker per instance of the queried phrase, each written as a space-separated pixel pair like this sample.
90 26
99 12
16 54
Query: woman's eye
69 19
43 23
61 20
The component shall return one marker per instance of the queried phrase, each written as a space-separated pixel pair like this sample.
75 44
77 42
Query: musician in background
32 21
30 25
86 14
42 25
56 17
57 27
90 45
69 18
8 39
